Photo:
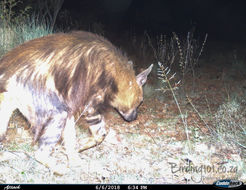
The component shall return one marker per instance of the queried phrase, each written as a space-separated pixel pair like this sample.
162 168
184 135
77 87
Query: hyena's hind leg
7 106
51 135
98 132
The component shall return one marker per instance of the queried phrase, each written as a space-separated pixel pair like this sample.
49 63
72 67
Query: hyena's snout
130 115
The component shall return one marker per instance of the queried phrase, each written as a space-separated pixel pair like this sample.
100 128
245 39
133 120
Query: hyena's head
130 94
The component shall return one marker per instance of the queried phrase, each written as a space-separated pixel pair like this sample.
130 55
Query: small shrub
31 29
9 17
230 122
165 49
190 51
14 35
17 27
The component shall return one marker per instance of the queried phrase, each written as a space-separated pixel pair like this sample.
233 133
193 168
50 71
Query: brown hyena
53 78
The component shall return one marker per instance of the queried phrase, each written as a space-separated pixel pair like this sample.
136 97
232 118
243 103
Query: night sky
221 19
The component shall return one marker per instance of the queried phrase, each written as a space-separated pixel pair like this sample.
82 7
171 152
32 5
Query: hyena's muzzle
130 115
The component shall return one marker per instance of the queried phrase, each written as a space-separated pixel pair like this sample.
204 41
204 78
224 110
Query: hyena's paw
51 163
98 134
90 142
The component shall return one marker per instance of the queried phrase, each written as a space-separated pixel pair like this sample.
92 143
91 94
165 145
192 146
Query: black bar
100 186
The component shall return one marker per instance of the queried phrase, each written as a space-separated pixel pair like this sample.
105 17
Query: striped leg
98 132
50 137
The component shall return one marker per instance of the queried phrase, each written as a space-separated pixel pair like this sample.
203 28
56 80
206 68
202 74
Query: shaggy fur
53 78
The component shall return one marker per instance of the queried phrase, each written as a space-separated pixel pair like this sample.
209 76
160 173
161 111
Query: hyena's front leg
98 132
50 137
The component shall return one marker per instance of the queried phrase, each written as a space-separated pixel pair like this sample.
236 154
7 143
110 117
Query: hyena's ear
142 77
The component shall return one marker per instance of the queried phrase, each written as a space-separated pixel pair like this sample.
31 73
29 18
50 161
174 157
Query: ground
155 148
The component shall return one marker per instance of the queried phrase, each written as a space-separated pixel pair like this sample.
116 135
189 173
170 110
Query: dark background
221 19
